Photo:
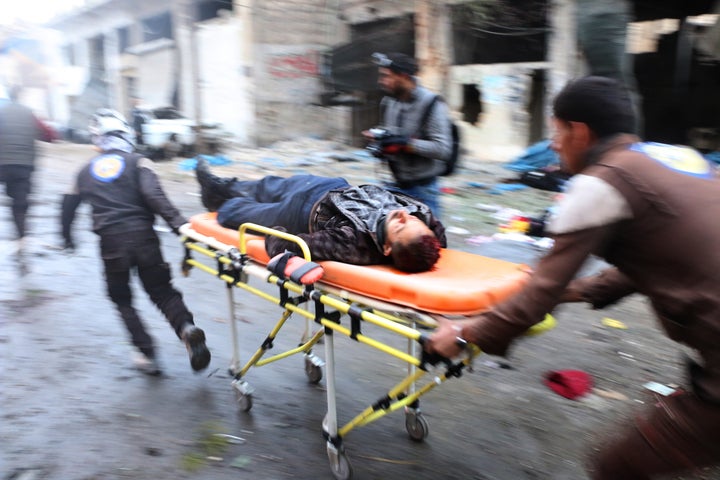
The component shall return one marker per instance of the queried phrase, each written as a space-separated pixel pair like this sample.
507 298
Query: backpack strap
426 115
423 119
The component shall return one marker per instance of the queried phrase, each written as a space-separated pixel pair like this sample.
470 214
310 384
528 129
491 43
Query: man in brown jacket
650 210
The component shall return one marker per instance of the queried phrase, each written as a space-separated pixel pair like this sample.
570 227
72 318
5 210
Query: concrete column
562 47
112 72
432 44
245 12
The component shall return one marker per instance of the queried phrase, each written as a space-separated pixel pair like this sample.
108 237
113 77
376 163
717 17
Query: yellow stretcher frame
235 267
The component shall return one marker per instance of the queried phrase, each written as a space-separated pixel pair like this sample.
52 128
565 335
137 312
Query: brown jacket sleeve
494 330
603 289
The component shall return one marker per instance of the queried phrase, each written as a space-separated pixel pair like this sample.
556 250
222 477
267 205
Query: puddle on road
18 301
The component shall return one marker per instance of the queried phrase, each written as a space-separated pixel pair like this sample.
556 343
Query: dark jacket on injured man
652 211
343 225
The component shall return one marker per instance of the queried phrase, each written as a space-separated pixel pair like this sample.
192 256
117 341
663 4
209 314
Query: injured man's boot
214 190
194 339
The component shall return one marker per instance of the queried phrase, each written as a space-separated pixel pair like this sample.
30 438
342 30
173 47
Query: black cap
397 62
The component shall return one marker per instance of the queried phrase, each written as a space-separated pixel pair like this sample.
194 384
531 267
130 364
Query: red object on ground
449 190
569 383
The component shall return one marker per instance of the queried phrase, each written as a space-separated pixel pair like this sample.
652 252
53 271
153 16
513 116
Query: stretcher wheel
340 464
416 426
244 401
313 372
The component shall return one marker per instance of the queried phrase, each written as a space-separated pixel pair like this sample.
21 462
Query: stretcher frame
234 266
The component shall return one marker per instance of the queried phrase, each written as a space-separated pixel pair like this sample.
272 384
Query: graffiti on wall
293 65
290 73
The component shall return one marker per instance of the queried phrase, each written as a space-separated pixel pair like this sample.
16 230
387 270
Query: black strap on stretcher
279 264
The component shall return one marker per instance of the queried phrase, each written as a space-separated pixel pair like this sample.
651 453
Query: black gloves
176 228
276 245
393 144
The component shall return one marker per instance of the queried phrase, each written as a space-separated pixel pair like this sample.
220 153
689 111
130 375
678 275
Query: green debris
241 461
192 462
212 442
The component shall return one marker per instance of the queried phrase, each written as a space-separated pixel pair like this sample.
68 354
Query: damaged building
282 69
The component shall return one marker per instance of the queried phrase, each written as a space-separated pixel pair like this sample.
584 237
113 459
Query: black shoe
194 339
214 190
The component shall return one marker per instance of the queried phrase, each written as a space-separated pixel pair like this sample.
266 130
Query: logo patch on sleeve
107 168
678 158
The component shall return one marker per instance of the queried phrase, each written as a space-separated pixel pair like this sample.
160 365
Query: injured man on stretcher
362 225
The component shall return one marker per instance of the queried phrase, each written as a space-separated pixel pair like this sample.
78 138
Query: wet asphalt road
72 406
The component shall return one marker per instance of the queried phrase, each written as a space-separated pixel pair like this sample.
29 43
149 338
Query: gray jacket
19 129
431 143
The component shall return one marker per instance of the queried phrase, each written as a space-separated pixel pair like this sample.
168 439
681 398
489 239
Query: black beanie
600 102
397 62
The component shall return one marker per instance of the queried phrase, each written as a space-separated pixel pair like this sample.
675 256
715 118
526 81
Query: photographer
416 138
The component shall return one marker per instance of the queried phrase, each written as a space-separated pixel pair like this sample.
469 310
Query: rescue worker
648 209
125 195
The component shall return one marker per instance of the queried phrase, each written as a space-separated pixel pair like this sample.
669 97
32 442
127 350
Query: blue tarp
191 163
713 157
500 188
537 156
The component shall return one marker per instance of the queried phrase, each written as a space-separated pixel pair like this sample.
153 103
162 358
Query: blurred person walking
19 129
138 119
125 195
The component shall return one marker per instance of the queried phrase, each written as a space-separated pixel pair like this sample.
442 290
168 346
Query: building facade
261 70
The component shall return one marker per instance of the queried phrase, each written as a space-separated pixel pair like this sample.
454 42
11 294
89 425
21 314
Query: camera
374 147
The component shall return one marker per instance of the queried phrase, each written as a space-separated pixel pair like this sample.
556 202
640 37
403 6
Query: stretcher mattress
461 283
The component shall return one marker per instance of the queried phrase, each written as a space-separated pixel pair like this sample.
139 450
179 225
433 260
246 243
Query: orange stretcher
372 297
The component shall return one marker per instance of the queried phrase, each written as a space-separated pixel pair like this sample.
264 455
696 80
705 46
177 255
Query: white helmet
106 121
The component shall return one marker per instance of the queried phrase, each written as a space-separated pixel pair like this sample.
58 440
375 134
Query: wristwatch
459 340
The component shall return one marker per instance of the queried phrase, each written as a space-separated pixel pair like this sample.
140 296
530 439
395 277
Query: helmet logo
107 168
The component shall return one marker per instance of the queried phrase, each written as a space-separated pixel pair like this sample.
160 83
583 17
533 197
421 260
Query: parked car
166 133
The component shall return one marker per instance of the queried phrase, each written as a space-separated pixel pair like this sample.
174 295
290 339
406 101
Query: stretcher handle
271 231
431 358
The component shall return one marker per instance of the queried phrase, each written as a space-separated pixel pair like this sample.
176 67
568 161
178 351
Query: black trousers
17 186
140 252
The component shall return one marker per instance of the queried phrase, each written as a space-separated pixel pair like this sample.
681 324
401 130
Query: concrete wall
290 36
502 130
150 64
258 69
225 90
157 73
